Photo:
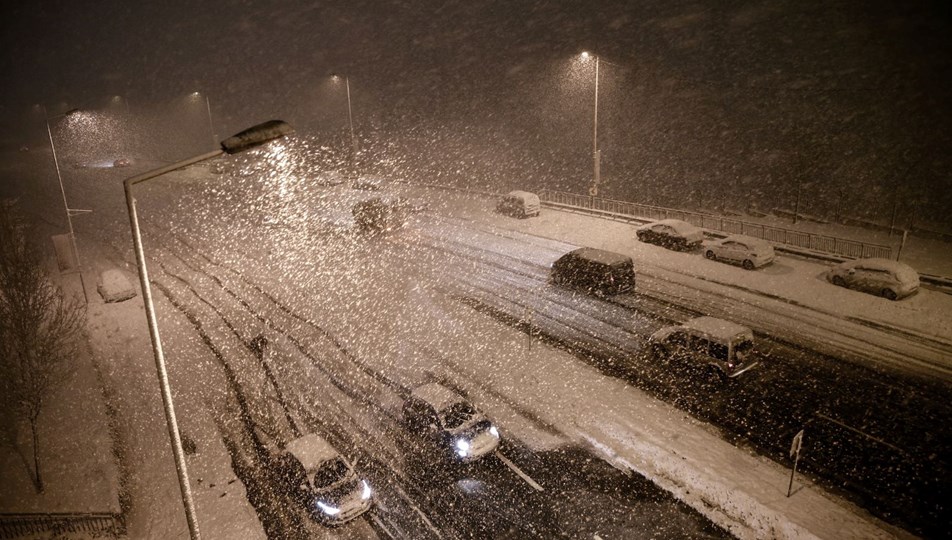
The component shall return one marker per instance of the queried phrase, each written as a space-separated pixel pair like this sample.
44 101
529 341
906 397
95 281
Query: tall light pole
70 212
350 121
596 153
249 138
208 110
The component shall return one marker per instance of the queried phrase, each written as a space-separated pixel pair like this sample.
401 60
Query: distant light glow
494 431
585 55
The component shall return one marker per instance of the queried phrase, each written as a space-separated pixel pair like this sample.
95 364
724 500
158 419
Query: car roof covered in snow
437 395
749 241
609 258
682 227
311 451
900 269
718 328
524 195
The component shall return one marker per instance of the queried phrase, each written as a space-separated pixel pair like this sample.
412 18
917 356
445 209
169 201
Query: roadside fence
106 525
817 242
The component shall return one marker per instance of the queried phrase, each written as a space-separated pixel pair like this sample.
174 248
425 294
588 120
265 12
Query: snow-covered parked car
369 183
519 204
743 250
722 347
446 420
319 478
887 278
671 233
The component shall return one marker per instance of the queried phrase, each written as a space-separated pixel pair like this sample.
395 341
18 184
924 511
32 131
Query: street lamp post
350 122
208 110
69 211
249 138
596 153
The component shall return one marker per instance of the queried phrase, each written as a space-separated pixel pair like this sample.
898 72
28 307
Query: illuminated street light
70 212
350 120
250 138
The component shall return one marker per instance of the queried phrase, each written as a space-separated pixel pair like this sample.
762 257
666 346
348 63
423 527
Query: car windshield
743 347
457 414
330 472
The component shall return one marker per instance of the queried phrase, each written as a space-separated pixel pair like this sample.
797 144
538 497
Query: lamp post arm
129 182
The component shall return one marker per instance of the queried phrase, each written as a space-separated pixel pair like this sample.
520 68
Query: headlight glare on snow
462 447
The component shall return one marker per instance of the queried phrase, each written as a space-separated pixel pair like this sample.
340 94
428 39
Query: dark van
596 271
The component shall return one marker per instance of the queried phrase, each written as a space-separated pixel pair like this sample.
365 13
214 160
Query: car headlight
462 447
365 494
493 431
328 509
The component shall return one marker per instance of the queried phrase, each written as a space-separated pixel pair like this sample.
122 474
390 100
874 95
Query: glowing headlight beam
328 509
365 494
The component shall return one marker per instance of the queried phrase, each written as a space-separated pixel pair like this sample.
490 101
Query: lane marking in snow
535 485
418 511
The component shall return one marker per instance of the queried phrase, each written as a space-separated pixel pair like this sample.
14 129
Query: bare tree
40 330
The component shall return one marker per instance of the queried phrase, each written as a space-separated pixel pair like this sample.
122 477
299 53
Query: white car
443 418
887 278
319 478
743 250
671 233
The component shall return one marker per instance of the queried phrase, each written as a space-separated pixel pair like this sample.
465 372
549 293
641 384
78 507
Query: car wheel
748 264
838 281
889 294
641 237
710 255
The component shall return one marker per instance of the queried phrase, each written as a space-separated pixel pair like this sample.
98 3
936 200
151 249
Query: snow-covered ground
418 333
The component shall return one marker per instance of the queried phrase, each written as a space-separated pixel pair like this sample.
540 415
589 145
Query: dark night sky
730 92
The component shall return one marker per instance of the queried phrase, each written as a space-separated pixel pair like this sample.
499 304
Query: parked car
722 347
329 178
595 271
671 233
369 183
743 250
319 478
121 162
447 421
381 214
519 204
887 278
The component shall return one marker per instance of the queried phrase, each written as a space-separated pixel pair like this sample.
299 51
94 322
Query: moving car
723 347
519 204
671 233
445 419
121 162
887 278
595 271
743 250
318 477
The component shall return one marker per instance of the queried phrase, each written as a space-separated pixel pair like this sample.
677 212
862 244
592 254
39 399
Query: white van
519 204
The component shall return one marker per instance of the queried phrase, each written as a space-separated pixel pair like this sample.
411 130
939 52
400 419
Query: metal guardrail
817 242
98 524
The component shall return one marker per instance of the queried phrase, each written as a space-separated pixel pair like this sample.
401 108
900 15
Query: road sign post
795 446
